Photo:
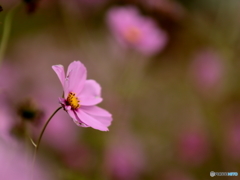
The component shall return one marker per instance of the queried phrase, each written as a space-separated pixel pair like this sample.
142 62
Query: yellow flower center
133 34
73 101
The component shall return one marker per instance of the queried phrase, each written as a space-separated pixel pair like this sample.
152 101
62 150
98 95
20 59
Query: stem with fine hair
6 32
41 134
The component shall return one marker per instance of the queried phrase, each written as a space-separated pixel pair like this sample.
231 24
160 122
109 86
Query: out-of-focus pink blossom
16 164
193 147
79 157
6 119
207 71
125 159
81 97
8 91
133 30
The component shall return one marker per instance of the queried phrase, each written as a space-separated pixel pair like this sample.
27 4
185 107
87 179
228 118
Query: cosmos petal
98 113
95 110
61 101
66 88
89 100
59 70
105 120
76 76
75 119
91 88
91 121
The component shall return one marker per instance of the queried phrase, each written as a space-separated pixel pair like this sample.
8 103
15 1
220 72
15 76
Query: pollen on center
73 101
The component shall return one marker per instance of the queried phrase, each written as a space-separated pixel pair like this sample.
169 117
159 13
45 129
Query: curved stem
6 32
41 134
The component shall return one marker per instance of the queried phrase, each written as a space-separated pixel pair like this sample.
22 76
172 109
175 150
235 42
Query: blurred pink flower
207 71
7 120
136 31
193 147
81 96
125 159
15 164
8 87
79 157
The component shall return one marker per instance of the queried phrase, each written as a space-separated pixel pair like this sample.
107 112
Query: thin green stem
6 32
41 134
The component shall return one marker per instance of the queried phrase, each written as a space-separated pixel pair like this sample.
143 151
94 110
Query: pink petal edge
98 113
75 119
91 88
89 100
90 121
76 76
59 70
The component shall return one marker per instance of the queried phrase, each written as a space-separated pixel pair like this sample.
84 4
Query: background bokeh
174 97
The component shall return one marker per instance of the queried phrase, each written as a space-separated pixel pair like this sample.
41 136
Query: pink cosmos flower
81 96
135 31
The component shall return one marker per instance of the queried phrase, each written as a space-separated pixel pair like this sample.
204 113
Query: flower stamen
73 101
